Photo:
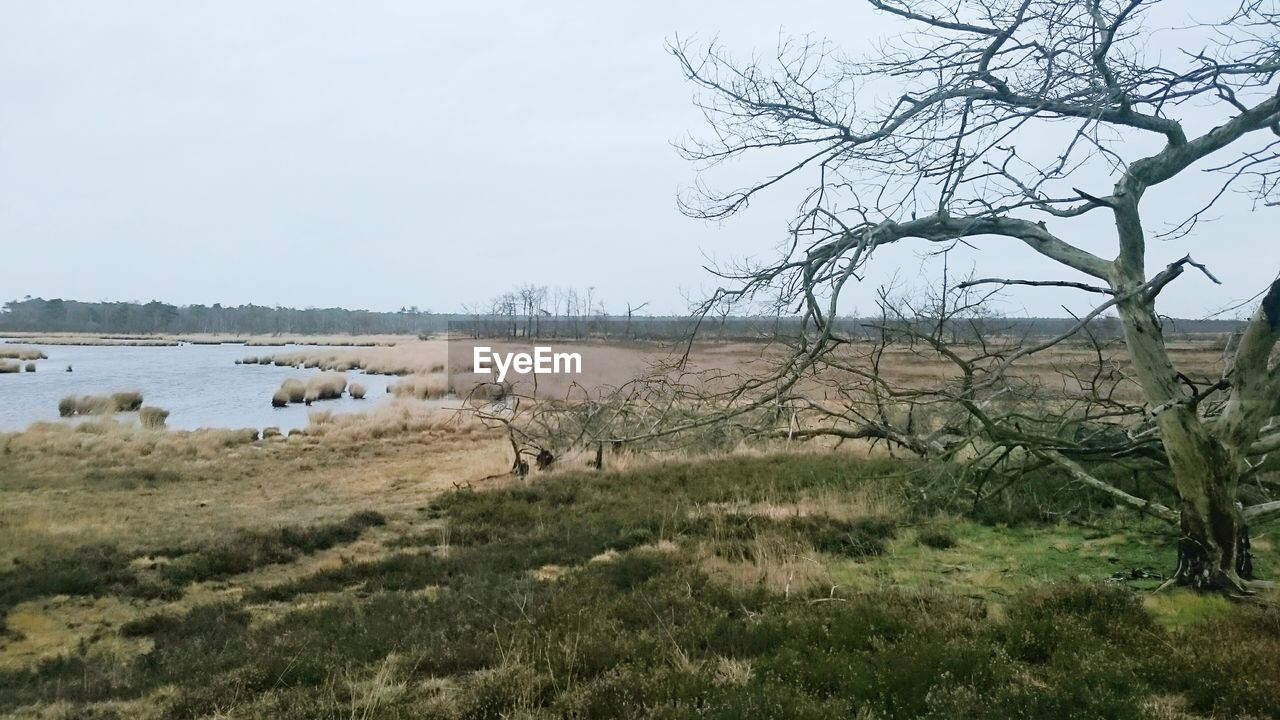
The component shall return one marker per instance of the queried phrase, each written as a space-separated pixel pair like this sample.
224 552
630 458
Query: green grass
602 596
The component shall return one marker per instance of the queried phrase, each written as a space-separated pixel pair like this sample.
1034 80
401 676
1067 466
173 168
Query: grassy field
342 574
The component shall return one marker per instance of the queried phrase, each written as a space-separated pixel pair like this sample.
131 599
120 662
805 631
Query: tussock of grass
21 353
280 398
100 404
326 386
292 390
31 367
153 417
9 367
421 387
357 391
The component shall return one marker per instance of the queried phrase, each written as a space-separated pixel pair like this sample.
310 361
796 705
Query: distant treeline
502 319
40 315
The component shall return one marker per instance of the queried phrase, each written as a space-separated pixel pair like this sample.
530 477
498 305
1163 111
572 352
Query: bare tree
1001 115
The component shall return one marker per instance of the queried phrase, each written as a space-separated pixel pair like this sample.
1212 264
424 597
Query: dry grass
10 352
404 358
421 387
129 401
326 386
31 367
153 418
98 340
62 486
292 390
8 367
357 391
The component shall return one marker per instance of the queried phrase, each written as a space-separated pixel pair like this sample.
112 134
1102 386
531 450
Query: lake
200 385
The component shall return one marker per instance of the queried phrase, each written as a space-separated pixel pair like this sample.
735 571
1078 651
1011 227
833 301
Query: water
200 385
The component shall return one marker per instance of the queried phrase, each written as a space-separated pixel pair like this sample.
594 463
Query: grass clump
325 386
100 404
22 353
357 391
422 387
153 418
31 367
292 390
9 366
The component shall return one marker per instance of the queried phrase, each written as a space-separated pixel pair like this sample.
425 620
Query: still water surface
200 385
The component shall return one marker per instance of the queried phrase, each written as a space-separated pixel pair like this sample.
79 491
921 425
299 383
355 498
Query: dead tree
1002 115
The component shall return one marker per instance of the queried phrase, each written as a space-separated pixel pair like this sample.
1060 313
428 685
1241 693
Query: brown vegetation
21 353
292 390
357 391
71 405
153 417
422 387
9 366
326 386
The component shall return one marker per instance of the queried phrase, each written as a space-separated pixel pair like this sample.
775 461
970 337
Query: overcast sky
385 154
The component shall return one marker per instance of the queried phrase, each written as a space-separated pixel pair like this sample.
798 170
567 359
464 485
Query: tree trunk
1213 547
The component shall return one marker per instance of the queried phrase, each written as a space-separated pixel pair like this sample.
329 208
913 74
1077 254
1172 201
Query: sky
384 154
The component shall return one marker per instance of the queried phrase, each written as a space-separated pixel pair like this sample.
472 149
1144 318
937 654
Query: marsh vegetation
799 585
129 401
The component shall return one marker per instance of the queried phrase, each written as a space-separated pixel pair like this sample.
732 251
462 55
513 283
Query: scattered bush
31 367
100 404
357 391
153 417
280 398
